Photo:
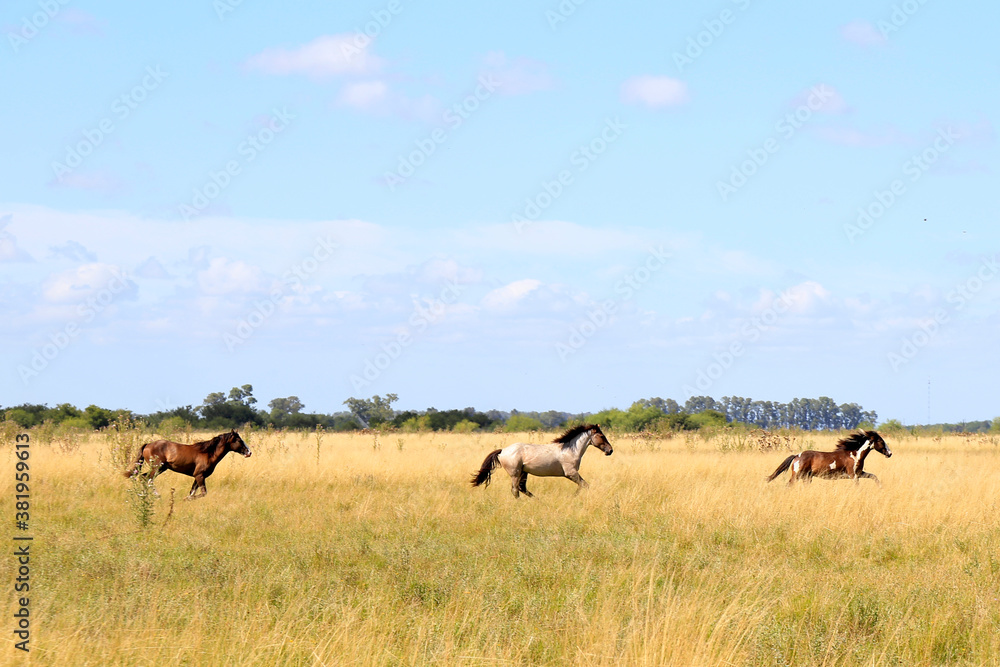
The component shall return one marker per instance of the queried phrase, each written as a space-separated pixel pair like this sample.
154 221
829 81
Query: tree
697 404
552 418
850 415
291 405
215 398
185 414
282 407
827 413
242 395
62 412
668 406
374 411
220 412
98 417
22 417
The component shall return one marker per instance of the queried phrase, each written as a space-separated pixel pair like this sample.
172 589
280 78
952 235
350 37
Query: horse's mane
566 439
854 442
206 445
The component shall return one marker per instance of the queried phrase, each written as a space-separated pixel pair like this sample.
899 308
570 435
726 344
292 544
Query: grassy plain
370 550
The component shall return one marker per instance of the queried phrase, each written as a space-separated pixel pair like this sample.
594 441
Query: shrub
465 426
519 423
892 427
708 419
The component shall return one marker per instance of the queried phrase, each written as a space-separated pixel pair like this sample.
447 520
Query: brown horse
847 462
197 460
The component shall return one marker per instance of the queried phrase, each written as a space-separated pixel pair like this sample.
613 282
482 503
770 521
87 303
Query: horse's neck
863 452
580 444
217 449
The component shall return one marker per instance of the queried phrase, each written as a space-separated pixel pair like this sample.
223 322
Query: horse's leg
523 485
199 480
806 472
794 469
199 483
515 480
867 475
581 483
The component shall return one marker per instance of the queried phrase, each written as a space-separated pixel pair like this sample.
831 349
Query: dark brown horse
197 460
846 462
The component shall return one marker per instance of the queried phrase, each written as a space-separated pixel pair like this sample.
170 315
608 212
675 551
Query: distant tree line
239 407
809 414
218 411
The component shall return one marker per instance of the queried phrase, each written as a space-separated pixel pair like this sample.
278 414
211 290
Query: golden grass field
375 551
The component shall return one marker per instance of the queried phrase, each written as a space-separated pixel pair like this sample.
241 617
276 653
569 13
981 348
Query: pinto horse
559 458
847 462
197 460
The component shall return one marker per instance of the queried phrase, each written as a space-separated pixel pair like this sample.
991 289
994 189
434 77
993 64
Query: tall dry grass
375 551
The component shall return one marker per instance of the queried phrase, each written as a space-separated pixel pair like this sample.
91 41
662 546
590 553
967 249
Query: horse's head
235 443
878 444
599 440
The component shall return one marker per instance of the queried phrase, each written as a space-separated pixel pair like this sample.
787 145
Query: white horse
559 458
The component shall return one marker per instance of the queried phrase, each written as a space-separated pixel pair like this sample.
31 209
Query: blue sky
527 205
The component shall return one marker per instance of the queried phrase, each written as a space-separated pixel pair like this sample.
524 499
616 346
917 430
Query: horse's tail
134 468
491 462
783 467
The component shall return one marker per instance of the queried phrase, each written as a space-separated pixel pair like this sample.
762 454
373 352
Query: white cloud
224 276
978 132
82 282
508 296
655 92
364 94
440 270
739 262
96 181
274 244
9 251
822 98
152 269
328 55
73 250
805 297
376 98
863 33
518 76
